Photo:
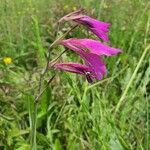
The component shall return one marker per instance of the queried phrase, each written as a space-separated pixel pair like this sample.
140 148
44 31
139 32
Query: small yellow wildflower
65 7
7 60
74 8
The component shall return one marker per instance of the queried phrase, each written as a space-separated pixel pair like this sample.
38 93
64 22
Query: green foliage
71 113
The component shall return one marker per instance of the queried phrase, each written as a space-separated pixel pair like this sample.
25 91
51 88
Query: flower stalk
40 91
33 130
91 51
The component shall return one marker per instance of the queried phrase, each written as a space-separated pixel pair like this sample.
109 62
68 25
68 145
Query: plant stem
40 92
34 121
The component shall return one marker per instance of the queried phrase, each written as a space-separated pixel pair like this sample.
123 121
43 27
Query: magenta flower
89 50
95 62
90 45
74 67
95 67
77 68
99 28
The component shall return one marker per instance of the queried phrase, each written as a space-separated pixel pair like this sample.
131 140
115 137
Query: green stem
131 80
34 116
33 132
148 128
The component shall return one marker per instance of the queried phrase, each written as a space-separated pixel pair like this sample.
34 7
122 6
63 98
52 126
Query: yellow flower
7 60
66 7
74 8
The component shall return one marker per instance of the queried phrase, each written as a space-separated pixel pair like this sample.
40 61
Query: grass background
72 114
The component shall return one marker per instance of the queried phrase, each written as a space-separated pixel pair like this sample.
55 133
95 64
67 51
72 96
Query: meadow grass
111 114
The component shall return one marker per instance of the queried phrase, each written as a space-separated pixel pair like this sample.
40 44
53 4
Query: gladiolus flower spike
91 51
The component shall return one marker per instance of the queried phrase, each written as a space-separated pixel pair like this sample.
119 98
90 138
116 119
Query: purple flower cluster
91 51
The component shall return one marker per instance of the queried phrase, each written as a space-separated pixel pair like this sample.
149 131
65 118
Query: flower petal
99 28
73 67
98 48
95 62
93 46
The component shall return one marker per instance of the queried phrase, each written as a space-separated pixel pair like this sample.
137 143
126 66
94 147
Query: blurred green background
73 115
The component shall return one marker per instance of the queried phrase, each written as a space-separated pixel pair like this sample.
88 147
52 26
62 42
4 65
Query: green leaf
57 145
24 147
